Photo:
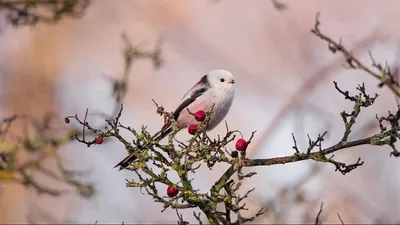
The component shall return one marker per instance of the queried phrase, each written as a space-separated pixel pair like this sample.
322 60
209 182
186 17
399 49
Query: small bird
216 88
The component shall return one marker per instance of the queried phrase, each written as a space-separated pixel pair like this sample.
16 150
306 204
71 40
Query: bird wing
185 103
203 82
189 100
196 91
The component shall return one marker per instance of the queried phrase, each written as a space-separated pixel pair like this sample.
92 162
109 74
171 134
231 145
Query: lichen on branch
183 160
157 163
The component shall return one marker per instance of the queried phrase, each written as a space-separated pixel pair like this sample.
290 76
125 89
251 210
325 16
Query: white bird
216 88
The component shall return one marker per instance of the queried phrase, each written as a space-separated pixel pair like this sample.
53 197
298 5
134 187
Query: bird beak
232 81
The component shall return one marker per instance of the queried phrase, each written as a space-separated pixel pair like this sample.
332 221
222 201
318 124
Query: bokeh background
284 77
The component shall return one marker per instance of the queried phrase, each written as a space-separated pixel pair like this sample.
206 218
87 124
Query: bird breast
222 102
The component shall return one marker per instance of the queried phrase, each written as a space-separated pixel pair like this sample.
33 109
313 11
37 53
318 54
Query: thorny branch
35 149
185 159
184 162
384 74
361 100
156 162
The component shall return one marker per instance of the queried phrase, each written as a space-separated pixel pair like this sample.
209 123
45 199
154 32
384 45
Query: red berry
200 115
172 192
192 129
98 140
241 145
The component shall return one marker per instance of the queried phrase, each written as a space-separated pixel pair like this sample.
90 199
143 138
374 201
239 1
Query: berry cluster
97 140
200 116
241 145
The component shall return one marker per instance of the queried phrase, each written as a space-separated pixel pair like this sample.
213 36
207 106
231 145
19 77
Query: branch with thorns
35 149
387 136
156 162
383 74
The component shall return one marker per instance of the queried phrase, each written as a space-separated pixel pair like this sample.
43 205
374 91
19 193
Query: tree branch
384 75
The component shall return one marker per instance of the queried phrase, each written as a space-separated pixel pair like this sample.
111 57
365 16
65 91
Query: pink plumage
216 88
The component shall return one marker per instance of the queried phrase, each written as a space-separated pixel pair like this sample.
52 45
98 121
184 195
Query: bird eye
222 79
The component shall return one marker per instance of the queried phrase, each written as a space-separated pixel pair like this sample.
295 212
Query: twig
340 218
384 75
317 219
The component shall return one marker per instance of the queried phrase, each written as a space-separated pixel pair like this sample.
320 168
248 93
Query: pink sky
272 55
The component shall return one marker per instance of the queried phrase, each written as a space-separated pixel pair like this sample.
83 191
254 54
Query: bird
215 90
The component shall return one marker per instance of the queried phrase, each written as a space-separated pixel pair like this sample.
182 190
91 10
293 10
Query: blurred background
284 80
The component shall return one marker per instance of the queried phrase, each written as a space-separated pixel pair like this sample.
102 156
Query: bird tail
161 135
126 161
131 157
